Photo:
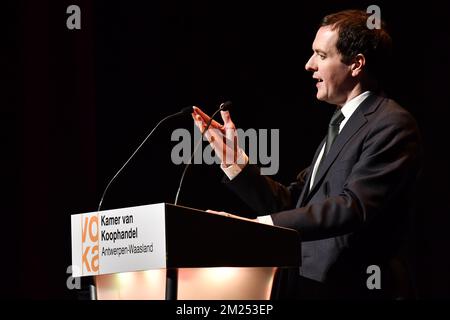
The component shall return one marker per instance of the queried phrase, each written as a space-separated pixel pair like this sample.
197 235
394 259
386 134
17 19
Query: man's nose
310 65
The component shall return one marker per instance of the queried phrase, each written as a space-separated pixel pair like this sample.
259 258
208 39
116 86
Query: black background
76 103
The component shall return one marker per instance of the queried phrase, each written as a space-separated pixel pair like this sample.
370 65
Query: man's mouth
319 81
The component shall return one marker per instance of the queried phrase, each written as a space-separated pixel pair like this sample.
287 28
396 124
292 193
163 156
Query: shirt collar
350 107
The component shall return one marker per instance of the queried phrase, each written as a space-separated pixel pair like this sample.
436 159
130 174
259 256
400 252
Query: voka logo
89 244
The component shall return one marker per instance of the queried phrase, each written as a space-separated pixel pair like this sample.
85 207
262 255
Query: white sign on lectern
120 240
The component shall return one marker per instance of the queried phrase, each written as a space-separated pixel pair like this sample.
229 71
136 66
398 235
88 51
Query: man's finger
198 121
206 118
226 117
222 213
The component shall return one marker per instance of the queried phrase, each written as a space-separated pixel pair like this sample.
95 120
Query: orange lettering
94 237
84 229
95 259
90 257
85 260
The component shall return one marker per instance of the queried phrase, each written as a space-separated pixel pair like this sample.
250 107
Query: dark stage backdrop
76 103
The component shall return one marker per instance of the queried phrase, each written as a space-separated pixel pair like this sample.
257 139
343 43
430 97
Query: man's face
334 80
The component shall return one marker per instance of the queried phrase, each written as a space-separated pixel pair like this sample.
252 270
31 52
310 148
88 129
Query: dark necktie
333 131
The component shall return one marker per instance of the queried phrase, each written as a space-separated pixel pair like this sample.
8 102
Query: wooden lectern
164 251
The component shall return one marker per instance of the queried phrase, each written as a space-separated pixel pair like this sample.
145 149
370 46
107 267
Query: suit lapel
354 124
305 190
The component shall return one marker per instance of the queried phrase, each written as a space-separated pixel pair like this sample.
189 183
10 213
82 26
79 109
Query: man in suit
351 205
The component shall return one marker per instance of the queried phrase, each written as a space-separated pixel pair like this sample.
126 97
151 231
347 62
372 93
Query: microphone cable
223 107
183 111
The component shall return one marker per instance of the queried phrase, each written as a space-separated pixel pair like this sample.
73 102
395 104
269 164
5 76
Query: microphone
225 106
184 111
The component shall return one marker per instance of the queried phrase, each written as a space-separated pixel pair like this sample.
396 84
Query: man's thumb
226 117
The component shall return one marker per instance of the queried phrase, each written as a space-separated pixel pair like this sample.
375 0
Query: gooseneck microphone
184 111
225 106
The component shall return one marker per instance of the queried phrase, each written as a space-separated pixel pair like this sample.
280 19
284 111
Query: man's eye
321 56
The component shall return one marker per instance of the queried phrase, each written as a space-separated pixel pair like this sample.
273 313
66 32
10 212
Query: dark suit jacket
356 214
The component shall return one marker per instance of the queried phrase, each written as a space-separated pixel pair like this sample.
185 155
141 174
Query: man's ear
358 64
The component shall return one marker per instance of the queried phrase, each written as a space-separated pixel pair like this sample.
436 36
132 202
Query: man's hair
354 37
